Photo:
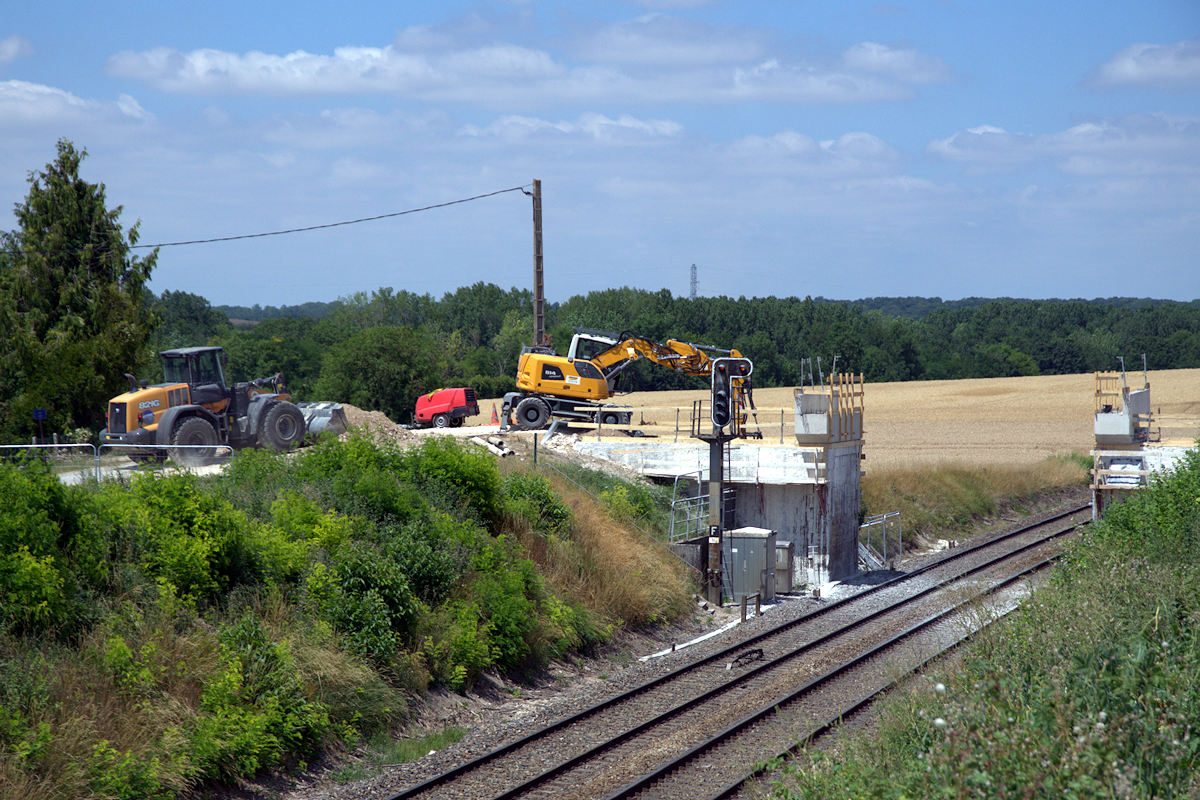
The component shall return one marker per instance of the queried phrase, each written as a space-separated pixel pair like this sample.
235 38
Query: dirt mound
376 424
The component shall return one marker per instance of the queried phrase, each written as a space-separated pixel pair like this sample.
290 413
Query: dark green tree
72 309
382 369
187 321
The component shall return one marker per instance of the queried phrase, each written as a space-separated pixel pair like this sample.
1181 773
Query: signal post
729 376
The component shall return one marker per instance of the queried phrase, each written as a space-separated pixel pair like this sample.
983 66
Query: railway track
710 722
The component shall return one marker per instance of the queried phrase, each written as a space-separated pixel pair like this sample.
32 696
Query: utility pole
539 293
692 294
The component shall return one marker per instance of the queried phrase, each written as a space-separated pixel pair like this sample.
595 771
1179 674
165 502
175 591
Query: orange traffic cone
495 419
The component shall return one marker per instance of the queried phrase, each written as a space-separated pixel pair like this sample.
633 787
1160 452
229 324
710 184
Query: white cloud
676 3
661 40
347 70
1171 65
851 154
597 127
133 109
25 102
1134 144
774 81
905 65
652 60
14 47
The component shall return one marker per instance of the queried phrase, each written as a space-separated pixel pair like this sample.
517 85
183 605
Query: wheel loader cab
201 369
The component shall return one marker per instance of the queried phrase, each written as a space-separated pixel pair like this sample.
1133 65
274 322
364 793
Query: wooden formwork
1109 394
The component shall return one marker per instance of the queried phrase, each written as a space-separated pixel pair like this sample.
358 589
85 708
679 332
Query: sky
788 148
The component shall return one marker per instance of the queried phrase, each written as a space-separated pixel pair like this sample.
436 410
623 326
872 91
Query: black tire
440 421
610 418
197 437
457 422
532 414
282 427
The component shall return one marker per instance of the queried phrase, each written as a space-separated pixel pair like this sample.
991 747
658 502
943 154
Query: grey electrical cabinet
751 563
785 567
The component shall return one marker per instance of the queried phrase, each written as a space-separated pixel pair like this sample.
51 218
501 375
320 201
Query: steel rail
774 707
746 676
959 553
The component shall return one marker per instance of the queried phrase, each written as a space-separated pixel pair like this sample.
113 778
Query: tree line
75 314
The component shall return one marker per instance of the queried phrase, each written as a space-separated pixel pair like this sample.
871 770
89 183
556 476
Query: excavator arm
685 357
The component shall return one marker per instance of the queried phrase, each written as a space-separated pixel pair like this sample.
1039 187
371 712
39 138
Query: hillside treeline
380 350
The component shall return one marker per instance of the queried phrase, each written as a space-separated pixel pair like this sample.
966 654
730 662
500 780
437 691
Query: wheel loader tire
440 420
197 438
532 414
282 427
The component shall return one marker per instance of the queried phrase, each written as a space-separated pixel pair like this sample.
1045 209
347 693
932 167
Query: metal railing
880 541
689 514
74 470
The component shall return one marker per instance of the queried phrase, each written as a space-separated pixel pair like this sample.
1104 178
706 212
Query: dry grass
984 422
605 565
937 501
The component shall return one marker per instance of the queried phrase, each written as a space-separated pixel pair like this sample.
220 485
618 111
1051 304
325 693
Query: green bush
530 497
432 552
256 711
366 598
460 649
444 468
53 555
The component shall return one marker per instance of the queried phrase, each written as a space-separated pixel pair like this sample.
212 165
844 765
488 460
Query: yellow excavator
572 387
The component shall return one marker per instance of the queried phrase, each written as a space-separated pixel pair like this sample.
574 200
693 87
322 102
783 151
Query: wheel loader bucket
323 418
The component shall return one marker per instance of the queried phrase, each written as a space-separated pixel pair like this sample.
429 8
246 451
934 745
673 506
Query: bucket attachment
323 418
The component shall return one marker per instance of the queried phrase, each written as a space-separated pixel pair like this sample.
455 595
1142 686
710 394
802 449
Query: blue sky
841 150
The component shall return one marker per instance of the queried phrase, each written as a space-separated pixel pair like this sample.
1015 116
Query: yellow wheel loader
194 411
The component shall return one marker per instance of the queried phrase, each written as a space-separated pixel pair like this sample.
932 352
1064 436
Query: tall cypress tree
73 314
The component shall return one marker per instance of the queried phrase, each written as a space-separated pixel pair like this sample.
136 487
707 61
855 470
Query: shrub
366 598
459 648
432 552
529 497
255 708
468 472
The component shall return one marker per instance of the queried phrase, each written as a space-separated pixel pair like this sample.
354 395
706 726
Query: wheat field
976 421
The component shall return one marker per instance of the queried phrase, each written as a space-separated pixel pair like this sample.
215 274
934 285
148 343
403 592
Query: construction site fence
68 460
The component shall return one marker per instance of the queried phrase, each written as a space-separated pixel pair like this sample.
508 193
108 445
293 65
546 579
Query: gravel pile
377 426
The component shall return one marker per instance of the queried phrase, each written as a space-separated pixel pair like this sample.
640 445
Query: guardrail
183 456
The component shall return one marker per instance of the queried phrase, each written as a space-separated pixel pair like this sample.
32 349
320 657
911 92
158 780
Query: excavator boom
572 386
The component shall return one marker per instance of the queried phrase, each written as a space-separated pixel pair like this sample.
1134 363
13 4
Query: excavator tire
197 437
610 418
532 414
282 427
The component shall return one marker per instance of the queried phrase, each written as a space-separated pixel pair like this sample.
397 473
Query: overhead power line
329 224
303 229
